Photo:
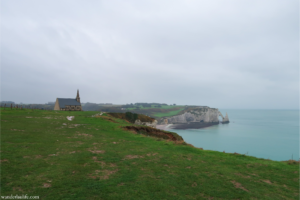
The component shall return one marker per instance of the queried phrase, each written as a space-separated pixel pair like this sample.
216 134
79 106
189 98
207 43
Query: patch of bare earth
97 161
5 160
73 125
112 165
38 156
154 159
107 173
85 135
238 185
94 158
17 189
241 175
102 174
194 184
152 154
133 156
267 181
96 151
46 185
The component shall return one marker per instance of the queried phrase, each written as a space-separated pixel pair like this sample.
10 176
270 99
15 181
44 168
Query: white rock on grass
70 118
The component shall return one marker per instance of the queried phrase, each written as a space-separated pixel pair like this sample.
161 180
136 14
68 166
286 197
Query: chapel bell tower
77 97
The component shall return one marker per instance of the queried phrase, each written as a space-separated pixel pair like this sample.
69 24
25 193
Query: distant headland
194 117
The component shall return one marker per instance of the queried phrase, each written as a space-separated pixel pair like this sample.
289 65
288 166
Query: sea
268 134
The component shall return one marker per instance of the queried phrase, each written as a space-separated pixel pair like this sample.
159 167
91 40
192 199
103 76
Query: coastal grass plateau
44 154
162 111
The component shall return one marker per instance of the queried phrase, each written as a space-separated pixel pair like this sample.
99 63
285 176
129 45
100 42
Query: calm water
272 134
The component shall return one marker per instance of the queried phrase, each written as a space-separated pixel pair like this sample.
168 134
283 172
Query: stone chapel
68 104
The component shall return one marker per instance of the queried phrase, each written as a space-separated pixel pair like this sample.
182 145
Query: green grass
163 111
99 160
168 114
168 107
162 107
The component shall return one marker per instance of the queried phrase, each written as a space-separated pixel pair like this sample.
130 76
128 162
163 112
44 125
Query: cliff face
151 124
195 117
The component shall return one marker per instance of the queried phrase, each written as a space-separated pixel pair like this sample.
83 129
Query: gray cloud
225 54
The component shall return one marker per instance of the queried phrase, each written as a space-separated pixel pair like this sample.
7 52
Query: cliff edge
194 117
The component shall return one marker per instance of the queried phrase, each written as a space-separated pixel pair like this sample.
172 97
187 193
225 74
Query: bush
131 116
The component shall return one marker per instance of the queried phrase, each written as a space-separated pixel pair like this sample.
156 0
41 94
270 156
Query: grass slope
163 111
168 114
43 154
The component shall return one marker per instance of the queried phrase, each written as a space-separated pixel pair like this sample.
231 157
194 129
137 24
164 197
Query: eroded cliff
195 117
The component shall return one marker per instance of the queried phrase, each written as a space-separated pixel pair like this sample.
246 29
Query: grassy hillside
168 113
163 111
43 154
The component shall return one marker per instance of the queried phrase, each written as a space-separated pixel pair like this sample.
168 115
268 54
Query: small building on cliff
68 104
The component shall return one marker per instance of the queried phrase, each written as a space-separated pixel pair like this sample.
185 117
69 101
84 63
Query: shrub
131 117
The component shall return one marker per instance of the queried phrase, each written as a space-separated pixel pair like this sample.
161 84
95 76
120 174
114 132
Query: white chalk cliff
200 114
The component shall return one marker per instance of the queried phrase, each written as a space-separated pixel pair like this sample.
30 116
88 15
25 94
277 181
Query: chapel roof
67 102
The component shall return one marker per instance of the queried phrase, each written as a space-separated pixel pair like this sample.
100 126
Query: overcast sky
218 53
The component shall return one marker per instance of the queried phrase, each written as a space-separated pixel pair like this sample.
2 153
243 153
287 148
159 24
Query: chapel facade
68 104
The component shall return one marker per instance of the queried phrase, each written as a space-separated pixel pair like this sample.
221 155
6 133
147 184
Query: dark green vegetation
131 117
43 154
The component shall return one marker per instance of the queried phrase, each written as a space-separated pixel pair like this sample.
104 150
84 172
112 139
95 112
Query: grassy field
162 107
43 154
168 114
163 111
